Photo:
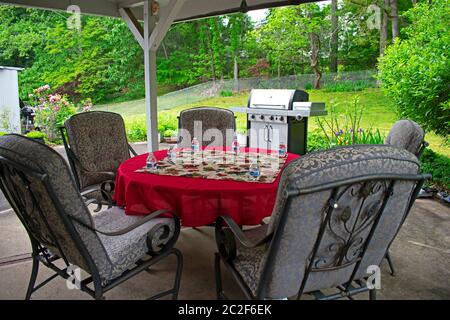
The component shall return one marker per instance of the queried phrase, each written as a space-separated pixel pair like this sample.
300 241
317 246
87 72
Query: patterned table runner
220 165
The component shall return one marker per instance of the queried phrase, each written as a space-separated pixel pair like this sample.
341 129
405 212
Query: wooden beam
133 24
166 18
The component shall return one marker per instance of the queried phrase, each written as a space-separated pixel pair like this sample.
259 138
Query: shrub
167 121
317 141
415 71
36 135
3 133
348 86
309 86
439 167
136 130
170 133
226 93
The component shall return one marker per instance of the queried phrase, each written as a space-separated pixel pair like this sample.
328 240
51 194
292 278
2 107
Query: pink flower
43 88
54 98
56 108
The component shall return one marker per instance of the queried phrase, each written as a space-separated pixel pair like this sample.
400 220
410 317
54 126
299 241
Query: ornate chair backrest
336 214
37 183
98 145
211 126
407 134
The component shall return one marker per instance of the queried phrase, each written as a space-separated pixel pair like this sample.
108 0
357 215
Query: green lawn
379 112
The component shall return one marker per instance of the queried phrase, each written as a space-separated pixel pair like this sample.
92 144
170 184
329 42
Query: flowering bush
51 110
345 129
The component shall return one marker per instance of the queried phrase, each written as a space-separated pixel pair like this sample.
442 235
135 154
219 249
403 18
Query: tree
384 26
334 36
394 19
415 71
238 25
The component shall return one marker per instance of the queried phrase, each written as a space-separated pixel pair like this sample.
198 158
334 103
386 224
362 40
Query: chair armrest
240 235
106 194
98 187
226 237
132 226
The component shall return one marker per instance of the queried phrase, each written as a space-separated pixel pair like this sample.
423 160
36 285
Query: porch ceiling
192 9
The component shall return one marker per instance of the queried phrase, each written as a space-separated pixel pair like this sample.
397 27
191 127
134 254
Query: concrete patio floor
421 253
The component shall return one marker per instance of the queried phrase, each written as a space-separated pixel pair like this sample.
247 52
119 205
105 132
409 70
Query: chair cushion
248 261
406 134
98 140
124 250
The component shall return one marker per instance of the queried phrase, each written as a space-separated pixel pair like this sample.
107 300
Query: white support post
151 109
149 39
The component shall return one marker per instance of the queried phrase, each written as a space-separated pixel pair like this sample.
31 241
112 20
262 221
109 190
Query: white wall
9 101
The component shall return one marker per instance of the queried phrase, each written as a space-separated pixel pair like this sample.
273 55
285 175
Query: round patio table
197 201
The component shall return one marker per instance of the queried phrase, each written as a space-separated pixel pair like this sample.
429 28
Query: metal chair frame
93 284
105 188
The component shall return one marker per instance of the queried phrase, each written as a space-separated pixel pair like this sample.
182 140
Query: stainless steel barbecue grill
277 116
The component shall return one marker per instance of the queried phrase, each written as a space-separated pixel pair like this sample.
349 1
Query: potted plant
37 135
170 136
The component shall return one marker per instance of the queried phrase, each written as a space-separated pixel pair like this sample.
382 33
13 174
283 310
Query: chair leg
219 288
34 273
373 294
176 286
391 264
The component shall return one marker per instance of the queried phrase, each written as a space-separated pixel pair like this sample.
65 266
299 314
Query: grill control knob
272 118
281 118
252 116
261 117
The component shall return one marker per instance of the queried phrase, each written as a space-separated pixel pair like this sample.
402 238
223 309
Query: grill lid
279 99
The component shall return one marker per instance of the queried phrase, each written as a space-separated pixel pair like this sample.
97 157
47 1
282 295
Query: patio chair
336 214
96 145
408 135
110 246
211 126
405 134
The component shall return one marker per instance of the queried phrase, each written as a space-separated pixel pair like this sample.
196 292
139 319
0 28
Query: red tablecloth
197 201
